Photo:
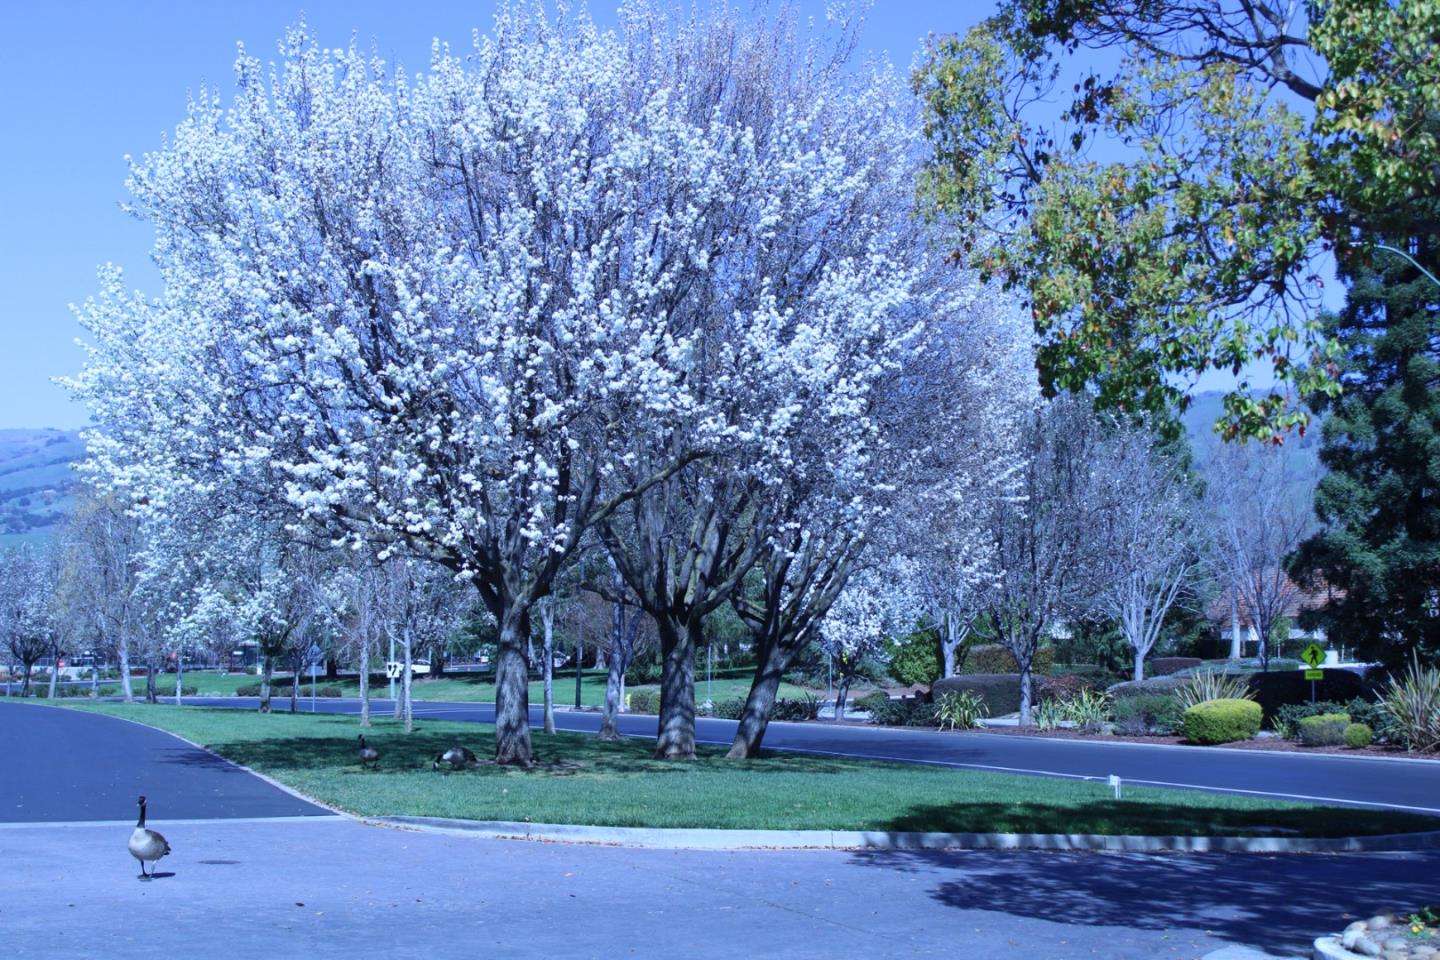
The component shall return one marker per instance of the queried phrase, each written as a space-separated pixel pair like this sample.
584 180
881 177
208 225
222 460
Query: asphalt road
1367 781
330 887
66 765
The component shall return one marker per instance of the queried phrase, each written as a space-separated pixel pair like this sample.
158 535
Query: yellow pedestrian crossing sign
1313 655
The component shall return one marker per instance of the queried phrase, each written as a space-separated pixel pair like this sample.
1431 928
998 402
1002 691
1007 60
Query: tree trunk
364 680
512 690
1025 692
759 703
25 684
1139 665
150 694
332 669
267 672
675 739
126 690
408 710
947 654
547 621
179 676
842 694
615 676
54 676
95 682
1235 650
437 661
296 669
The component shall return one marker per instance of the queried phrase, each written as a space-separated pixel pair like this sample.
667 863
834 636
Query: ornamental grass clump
1413 703
962 709
1221 721
1207 685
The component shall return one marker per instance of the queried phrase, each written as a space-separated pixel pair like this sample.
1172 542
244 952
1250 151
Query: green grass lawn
579 779
728 684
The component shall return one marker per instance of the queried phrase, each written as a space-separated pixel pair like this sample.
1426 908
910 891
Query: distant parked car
419 666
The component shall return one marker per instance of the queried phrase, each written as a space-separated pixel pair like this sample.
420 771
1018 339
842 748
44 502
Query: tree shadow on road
1277 902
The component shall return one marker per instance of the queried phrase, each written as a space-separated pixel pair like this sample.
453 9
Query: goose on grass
457 756
368 754
146 844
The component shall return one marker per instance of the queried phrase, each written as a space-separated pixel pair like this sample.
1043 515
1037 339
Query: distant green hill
36 481
1302 454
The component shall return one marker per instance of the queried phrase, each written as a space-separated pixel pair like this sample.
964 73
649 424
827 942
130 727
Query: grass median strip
579 779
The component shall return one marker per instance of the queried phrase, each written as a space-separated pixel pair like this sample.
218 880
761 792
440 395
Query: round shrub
876 700
645 700
1323 730
1358 735
1221 721
248 690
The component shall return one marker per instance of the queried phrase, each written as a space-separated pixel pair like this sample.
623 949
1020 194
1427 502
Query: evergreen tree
1380 501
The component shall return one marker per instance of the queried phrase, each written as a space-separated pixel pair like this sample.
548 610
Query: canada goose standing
457 756
147 844
368 755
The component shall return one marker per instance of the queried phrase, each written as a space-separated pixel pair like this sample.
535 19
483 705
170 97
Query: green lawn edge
581 780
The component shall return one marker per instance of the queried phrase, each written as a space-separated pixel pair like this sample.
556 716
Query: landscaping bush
1359 735
1209 685
994 658
1000 691
1221 721
1145 715
1150 687
643 672
872 702
915 659
721 709
1164 666
1092 673
1323 730
906 712
645 700
804 708
1059 688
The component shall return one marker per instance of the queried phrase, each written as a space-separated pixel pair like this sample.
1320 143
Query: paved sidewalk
332 887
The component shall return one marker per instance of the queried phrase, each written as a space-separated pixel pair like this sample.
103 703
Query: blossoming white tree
441 310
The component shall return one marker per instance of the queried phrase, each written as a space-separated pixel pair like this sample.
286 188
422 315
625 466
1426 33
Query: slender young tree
1150 532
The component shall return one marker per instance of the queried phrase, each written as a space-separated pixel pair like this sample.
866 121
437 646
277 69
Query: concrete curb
711 839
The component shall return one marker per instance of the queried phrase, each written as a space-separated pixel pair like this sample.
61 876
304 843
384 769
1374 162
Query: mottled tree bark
512 692
675 738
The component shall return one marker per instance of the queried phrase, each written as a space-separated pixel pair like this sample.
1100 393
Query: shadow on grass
1278 903
1195 818
564 754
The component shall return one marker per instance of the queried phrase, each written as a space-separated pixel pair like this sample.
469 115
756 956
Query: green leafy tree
1169 219
1380 501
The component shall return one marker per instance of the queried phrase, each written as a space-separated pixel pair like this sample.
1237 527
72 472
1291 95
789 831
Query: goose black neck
141 821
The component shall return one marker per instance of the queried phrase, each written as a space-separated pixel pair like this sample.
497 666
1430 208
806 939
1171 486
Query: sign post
1313 656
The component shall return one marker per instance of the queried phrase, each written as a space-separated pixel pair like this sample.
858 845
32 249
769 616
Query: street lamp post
1416 265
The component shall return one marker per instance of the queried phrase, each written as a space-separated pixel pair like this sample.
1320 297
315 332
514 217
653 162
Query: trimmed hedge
1358 735
1323 730
1221 721
1000 691
1277 688
1164 666
989 658
1059 688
